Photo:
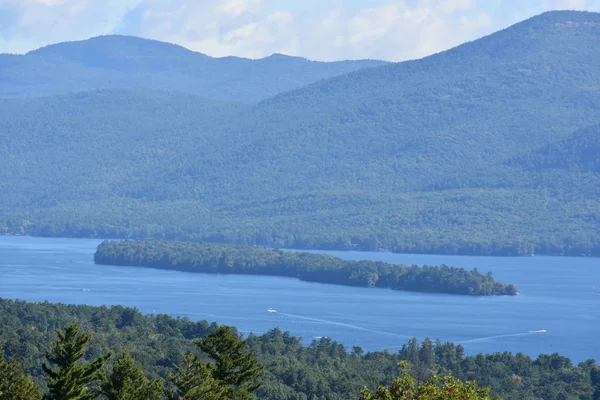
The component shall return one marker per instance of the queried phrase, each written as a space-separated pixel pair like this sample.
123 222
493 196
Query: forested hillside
449 154
323 370
579 151
109 62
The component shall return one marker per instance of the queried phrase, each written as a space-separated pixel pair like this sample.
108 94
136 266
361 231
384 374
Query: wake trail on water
329 322
528 333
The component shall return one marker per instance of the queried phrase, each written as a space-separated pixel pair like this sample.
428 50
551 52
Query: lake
558 294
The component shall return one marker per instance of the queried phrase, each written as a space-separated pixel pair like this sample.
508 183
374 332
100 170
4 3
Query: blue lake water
559 295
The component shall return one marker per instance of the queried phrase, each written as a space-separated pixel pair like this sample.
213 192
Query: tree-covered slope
580 151
130 62
416 156
96 145
438 121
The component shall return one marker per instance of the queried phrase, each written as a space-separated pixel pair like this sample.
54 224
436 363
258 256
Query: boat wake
329 322
528 333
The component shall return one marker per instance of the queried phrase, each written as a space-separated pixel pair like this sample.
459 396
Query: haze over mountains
130 62
488 148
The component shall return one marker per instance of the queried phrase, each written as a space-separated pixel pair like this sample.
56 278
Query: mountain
471 105
416 156
109 62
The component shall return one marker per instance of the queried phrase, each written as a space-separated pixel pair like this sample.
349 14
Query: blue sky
393 30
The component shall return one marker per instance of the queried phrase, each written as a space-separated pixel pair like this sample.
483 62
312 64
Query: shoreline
315 250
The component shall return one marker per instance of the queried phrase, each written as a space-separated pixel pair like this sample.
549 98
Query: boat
271 310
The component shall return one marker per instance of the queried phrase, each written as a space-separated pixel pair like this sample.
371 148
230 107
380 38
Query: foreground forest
487 148
231 372
323 370
230 259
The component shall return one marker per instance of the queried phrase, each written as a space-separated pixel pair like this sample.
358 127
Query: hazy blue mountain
415 156
131 62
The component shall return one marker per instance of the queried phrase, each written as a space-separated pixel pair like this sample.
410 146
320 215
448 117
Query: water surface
558 294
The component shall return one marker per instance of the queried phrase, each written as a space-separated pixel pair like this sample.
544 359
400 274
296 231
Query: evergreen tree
437 388
427 360
194 380
15 384
233 365
128 381
70 378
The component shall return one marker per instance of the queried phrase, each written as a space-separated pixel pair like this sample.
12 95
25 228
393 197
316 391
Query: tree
15 384
128 381
234 366
71 378
357 351
437 388
427 360
194 380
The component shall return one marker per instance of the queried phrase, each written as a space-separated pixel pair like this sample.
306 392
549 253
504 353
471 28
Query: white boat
271 310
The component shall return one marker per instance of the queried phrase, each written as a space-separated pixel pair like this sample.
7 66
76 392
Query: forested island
324 369
232 259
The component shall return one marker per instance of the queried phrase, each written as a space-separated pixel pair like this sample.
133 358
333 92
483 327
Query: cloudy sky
327 30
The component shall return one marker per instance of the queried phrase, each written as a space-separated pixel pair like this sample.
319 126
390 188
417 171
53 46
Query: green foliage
234 366
580 150
437 388
224 259
595 377
194 380
128 381
131 62
15 384
68 379
323 369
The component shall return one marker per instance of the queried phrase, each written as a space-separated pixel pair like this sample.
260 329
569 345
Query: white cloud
238 7
28 24
323 30
447 6
570 5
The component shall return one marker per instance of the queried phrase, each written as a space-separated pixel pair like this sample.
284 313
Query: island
251 260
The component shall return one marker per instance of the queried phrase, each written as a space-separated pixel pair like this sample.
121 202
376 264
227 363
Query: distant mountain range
487 148
130 62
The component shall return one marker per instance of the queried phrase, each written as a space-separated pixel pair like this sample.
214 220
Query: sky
325 30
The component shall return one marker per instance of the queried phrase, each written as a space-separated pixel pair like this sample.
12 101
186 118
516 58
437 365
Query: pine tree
233 365
427 360
194 380
15 384
128 381
71 378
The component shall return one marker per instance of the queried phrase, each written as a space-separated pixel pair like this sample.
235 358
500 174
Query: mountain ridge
397 157
114 61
